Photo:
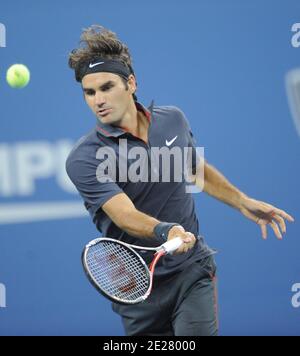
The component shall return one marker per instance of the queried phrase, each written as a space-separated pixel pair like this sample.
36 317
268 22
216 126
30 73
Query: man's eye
89 93
106 88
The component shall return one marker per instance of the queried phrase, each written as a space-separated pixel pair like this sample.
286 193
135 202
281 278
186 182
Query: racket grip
172 245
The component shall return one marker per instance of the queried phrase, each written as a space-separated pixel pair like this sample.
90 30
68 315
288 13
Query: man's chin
107 119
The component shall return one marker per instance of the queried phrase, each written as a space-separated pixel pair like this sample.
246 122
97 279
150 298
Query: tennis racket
118 272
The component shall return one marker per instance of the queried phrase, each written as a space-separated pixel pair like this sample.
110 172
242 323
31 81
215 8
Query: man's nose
99 99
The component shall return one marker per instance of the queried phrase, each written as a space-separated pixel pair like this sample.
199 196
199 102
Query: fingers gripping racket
119 272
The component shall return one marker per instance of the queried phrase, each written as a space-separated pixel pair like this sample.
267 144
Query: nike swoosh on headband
168 143
92 65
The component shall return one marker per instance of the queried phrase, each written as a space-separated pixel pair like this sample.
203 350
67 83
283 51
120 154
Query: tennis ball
18 76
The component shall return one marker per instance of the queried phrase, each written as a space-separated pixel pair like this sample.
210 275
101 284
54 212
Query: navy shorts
184 304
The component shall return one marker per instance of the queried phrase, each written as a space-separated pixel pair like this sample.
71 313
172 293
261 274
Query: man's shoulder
170 114
169 110
83 148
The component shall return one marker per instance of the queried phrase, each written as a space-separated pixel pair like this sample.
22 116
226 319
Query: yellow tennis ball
18 76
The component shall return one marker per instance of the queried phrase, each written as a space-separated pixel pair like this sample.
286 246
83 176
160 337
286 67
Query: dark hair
98 42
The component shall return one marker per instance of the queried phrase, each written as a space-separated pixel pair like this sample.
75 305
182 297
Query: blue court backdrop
224 64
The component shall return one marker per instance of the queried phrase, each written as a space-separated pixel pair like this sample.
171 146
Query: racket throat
157 256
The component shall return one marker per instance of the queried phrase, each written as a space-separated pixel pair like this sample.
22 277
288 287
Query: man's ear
132 83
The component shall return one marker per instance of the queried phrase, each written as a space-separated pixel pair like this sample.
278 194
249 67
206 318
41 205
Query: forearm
216 185
144 226
138 224
121 210
123 213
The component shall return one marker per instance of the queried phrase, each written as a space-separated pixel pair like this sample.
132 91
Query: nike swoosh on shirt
169 143
92 65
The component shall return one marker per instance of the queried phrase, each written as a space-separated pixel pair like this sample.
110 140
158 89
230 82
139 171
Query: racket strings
118 271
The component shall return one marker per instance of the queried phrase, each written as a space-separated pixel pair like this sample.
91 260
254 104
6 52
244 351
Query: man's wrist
241 200
162 229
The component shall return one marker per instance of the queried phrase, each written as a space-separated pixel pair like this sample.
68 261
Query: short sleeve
95 193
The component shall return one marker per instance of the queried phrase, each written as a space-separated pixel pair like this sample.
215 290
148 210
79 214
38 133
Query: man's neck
136 123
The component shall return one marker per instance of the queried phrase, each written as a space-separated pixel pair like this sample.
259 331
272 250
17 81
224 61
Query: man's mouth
104 112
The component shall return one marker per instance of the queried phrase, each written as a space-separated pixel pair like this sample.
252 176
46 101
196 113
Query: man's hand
265 214
188 239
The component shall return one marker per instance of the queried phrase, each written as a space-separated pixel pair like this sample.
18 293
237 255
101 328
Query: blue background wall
223 63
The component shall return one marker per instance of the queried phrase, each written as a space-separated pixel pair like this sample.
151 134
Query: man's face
107 96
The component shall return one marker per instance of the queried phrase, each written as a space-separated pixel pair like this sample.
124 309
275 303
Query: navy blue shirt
101 162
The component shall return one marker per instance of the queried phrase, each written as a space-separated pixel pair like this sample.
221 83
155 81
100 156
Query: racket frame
96 285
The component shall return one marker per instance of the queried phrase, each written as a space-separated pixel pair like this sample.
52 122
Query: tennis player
128 199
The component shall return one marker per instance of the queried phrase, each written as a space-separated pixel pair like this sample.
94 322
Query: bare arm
263 214
216 185
123 213
121 210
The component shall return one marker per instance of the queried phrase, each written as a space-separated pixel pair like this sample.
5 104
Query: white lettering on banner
296 296
2 35
296 37
6 174
61 151
33 161
2 296
22 164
